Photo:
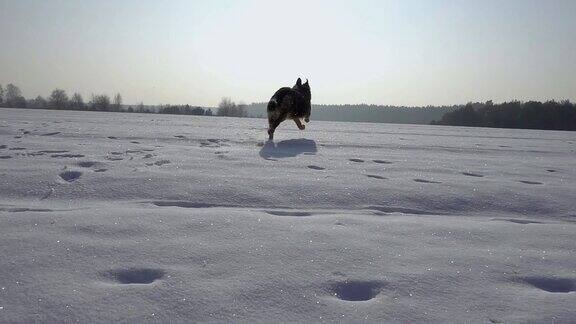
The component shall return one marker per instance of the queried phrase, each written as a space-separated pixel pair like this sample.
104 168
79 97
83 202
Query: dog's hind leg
272 127
299 124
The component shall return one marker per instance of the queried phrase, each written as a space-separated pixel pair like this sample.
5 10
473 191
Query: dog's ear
299 82
306 83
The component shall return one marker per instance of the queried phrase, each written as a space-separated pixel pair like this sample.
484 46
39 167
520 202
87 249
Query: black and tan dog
289 103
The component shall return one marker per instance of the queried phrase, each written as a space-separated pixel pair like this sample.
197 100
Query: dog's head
303 88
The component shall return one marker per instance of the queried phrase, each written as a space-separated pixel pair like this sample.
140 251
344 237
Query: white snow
111 217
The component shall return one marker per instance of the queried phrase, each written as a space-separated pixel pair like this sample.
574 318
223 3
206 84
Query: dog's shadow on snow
288 148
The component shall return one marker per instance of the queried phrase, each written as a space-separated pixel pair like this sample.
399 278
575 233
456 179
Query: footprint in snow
470 174
185 204
87 164
287 213
381 161
356 160
530 182
357 291
517 221
70 176
4 157
426 181
401 210
375 176
161 162
133 276
214 142
315 167
552 284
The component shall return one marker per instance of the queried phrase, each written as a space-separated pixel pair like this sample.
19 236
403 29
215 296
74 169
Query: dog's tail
272 104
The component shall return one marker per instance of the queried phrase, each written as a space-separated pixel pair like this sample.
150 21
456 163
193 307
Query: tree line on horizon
369 113
11 97
550 115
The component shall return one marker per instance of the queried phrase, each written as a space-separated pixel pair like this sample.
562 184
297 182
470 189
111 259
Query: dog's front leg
299 123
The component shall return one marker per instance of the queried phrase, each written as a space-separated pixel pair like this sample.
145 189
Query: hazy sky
383 52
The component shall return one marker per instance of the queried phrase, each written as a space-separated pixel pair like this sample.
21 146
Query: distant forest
551 115
367 113
11 97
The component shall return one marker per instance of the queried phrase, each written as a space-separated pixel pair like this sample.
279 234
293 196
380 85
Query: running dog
289 103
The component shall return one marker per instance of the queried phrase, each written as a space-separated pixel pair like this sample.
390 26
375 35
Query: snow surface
108 217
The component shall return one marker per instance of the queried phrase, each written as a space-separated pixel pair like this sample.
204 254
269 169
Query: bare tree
14 97
58 99
117 102
241 110
1 95
100 102
77 102
39 102
12 92
227 107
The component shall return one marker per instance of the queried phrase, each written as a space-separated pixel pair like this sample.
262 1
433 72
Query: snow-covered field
110 217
